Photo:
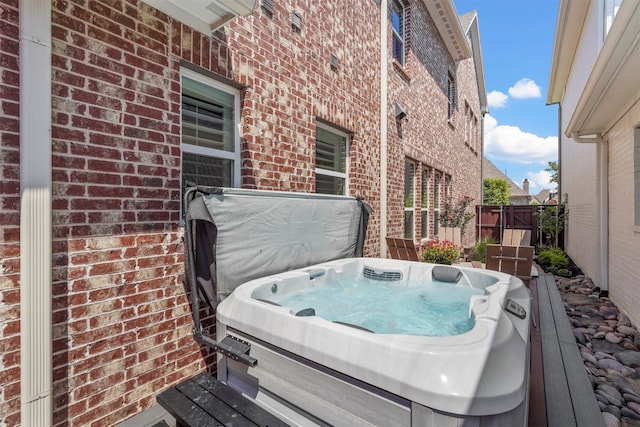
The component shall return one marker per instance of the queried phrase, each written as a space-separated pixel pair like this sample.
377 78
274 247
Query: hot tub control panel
515 309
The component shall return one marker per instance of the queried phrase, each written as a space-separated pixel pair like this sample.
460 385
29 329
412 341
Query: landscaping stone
608 344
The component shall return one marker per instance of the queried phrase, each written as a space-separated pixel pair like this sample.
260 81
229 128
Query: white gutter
602 201
383 128
35 213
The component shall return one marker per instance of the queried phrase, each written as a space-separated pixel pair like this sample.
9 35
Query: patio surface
560 392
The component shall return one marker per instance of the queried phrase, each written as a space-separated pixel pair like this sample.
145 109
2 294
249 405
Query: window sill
401 71
636 228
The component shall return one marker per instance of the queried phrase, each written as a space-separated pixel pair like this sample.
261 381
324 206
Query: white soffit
444 15
571 16
614 83
204 15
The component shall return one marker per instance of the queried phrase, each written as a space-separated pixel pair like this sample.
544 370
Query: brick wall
121 322
9 215
426 137
291 85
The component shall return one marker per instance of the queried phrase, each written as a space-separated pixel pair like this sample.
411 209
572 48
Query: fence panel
491 220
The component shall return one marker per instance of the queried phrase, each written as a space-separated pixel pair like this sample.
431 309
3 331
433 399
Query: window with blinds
210 144
332 147
409 194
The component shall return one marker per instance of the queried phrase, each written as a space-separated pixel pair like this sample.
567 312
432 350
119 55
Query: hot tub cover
235 235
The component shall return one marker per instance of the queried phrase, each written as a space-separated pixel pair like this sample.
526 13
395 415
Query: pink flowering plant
440 252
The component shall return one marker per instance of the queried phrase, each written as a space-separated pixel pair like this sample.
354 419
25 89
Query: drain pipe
35 213
602 198
383 128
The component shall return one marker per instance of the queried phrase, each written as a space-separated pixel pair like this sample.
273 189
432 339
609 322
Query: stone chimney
525 186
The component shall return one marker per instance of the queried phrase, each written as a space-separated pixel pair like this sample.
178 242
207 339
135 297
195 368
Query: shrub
554 260
479 251
440 252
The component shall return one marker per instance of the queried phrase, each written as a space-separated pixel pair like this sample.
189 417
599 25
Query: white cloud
525 88
496 99
540 180
514 145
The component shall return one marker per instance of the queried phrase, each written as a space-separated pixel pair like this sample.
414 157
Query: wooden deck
561 393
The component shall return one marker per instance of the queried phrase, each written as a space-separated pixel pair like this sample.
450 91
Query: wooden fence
491 220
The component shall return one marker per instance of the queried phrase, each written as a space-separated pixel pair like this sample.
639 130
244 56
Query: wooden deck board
569 397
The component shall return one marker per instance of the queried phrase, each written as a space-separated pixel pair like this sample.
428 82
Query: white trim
235 156
327 172
36 376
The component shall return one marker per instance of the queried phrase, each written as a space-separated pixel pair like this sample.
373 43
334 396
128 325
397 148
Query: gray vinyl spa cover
236 235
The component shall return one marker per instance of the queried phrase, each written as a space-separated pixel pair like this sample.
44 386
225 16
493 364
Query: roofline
445 16
571 17
474 28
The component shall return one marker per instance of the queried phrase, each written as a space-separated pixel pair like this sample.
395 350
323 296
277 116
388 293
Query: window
332 147
424 202
409 209
636 177
436 203
210 143
267 8
398 22
451 95
610 10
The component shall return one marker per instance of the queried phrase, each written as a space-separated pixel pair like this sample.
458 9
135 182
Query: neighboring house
517 195
110 108
594 79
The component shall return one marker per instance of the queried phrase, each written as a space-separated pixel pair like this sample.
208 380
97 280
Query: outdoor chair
402 249
514 260
516 237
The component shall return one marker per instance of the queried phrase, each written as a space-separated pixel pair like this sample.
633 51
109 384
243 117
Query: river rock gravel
610 349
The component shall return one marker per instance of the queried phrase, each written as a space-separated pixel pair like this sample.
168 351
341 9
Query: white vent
296 22
381 275
267 8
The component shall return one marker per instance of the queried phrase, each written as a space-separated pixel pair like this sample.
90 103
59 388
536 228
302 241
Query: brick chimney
525 186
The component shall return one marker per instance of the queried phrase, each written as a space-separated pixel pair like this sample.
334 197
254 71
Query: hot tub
313 368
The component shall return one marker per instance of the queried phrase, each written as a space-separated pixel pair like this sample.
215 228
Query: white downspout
383 128
602 197
35 213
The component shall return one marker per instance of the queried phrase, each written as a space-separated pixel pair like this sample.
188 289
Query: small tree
552 219
496 191
553 168
457 216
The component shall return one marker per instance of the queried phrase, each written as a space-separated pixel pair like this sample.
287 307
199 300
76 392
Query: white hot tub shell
311 371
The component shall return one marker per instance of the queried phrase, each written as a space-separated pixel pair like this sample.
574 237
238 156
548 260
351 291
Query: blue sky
521 131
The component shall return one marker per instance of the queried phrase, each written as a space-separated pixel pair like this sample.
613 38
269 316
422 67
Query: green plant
457 215
440 252
495 191
552 219
554 260
479 251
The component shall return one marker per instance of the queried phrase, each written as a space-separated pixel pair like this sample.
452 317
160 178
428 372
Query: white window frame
425 181
412 208
212 152
437 200
398 7
609 12
347 148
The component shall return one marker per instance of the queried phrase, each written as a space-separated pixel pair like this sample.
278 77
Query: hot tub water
415 307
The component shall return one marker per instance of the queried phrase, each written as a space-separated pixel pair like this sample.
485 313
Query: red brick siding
122 324
291 84
426 136
121 321
9 215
